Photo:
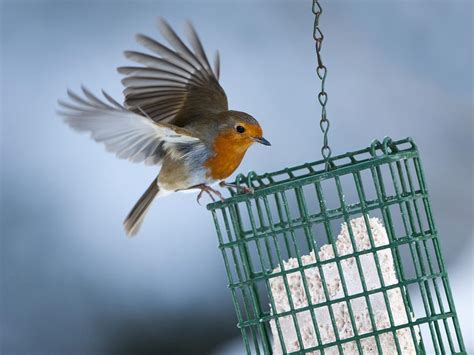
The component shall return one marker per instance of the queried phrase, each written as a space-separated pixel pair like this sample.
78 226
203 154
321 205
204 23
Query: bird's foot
210 191
244 189
198 199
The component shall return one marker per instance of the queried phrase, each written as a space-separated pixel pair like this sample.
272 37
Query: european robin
175 114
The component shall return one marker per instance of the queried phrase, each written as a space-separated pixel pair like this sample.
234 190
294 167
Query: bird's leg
215 192
209 190
244 189
198 199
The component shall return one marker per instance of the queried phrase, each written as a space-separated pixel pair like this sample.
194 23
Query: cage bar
298 227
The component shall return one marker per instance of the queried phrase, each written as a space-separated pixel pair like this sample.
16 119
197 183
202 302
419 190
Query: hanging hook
321 71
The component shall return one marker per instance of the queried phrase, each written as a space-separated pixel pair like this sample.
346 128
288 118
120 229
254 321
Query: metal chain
321 71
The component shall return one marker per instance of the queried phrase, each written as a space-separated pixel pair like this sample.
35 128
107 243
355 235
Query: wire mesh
295 214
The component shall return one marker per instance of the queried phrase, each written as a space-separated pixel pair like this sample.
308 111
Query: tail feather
135 218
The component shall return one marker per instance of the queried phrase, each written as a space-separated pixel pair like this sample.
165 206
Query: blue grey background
71 283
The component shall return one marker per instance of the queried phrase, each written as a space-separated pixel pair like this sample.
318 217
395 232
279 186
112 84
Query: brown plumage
175 114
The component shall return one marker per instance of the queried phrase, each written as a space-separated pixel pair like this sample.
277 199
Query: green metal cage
283 257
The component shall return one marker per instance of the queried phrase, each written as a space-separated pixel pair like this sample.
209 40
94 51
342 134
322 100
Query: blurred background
72 283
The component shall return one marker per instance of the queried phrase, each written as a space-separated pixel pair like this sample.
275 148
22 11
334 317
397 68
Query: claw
247 190
210 195
244 189
218 193
209 190
198 198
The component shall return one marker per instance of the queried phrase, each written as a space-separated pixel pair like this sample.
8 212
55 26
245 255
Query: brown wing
177 85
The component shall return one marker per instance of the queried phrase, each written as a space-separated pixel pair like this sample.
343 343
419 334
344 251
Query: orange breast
228 153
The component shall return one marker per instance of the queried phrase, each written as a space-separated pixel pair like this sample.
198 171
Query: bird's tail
135 218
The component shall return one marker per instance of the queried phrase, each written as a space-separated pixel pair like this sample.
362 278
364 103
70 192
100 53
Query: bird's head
242 130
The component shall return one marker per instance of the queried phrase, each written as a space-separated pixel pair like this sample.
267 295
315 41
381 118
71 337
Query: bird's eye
240 129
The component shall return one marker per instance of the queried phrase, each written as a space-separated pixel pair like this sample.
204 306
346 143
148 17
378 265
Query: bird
175 115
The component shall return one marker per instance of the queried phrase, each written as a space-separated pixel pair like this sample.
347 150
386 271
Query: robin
175 114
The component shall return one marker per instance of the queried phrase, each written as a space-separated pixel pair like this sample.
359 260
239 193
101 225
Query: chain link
321 71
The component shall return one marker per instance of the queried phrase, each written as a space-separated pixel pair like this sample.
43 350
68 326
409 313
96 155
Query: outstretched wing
129 135
177 84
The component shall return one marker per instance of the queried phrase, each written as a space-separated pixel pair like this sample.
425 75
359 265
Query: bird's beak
261 140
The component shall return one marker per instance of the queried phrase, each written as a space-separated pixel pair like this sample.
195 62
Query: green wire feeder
339 256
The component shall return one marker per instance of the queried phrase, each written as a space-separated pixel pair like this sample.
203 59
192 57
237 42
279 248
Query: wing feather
197 47
112 100
217 64
176 84
127 134
172 57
